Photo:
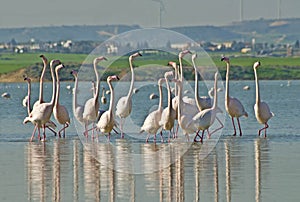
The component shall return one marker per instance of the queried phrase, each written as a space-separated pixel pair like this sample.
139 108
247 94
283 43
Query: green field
241 67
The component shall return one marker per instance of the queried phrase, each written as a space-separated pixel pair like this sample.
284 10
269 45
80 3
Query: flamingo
233 106
41 114
261 109
91 106
169 114
107 121
41 95
203 102
205 118
60 112
151 122
50 125
77 109
124 105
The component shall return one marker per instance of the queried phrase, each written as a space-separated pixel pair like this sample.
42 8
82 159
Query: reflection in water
261 156
228 174
37 173
53 166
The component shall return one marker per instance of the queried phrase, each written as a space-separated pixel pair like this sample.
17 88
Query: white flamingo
185 119
169 114
205 118
41 114
261 109
233 106
91 107
124 105
50 125
151 122
107 120
60 112
203 102
77 109
41 95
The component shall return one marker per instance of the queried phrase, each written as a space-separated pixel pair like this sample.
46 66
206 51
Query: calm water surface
246 168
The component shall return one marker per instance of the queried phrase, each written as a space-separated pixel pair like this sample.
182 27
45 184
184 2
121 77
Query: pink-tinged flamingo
60 112
151 122
124 105
169 114
41 114
233 106
107 120
205 118
261 109
203 102
50 125
41 95
91 107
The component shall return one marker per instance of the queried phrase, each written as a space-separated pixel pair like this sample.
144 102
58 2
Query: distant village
85 47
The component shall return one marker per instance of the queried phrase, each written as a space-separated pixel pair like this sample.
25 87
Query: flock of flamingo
192 115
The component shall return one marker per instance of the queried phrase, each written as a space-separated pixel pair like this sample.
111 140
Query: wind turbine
161 10
279 10
241 10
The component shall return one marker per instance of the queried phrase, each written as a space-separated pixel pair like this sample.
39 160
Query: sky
33 13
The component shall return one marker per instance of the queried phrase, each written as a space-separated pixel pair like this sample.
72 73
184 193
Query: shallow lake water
247 168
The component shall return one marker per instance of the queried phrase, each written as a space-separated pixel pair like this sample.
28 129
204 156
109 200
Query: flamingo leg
222 126
32 136
53 131
197 135
238 120
202 136
232 119
264 128
161 136
121 127
44 132
63 129
147 139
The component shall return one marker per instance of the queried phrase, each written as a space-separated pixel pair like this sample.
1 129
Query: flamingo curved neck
215 94
197 98
112 99
257 87
181 71
227 83
179 99
42 82
97 83
57 88
176 77
53 86
75 104
28 98
160 97
132 80
169 95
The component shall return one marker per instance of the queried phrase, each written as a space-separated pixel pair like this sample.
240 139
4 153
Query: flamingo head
225 59
256 65
98 59
184 52
161 81
134 55
112 78
168 74
58 67
54 63
44 59
173 64
74 73
27 79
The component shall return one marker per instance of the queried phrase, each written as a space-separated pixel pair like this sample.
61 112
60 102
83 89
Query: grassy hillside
241 67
